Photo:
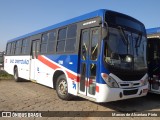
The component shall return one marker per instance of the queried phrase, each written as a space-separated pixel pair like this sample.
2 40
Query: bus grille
130 92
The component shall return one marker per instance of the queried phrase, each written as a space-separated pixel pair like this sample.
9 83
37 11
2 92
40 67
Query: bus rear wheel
17 79
62 88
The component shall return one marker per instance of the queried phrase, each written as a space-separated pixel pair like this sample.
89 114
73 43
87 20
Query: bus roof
153 30
96 13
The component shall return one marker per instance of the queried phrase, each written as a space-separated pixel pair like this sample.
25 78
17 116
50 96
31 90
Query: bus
100 56
153 59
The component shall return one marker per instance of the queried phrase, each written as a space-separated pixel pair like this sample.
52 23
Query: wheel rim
62 88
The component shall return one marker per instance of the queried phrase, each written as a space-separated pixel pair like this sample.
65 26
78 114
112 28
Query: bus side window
94 44
61 40
51 42
18 47
71 38
44 43
8 51
25 46
13 47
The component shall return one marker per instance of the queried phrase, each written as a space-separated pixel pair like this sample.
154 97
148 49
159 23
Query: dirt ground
29 96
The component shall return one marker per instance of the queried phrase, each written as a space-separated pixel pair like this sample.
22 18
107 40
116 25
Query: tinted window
8 48
52 35
51 42
13 47
25 46
43 48
70 45
61 40
72 29
60 46
71 38
18 47
118 19
62 34
126 22
94 44
44 40
67 39
84 44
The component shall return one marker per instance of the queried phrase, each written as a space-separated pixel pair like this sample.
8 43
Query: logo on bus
19 61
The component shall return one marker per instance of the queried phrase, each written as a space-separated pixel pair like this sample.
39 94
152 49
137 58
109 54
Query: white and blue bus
100 56
153 59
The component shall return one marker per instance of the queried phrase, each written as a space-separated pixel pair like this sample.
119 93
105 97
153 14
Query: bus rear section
153 59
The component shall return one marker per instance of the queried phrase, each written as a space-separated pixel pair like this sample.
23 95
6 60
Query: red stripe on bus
97 88
72 76
54 66
48 63
87 83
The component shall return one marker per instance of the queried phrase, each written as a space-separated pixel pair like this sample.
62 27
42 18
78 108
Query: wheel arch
56 74
15 66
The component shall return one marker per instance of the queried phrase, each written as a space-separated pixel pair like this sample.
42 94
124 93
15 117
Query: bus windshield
126 49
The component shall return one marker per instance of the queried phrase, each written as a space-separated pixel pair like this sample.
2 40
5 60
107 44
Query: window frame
18 47
44 43
67 38
61 40
8 49
53 42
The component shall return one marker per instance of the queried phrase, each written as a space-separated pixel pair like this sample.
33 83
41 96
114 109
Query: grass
5 75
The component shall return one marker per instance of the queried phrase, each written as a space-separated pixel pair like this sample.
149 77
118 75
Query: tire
62 88
16 77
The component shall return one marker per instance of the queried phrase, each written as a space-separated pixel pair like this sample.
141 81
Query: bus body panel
43 67
107 94
22 62
46 62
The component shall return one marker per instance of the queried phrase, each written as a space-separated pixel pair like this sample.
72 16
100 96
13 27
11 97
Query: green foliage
5 75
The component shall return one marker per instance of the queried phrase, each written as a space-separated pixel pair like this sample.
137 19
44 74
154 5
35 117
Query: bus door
154 63
34 57
88 61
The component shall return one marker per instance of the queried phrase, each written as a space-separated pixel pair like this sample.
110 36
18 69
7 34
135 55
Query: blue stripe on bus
68 61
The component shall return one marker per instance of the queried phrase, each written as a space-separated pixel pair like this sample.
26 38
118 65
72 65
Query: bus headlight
111 82
128 58
144 82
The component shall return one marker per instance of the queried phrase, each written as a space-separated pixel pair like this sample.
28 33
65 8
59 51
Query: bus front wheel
62 88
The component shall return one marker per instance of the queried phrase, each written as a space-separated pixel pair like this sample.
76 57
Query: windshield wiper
125 40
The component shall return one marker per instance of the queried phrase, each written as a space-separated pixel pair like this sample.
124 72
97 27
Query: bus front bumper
114 94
